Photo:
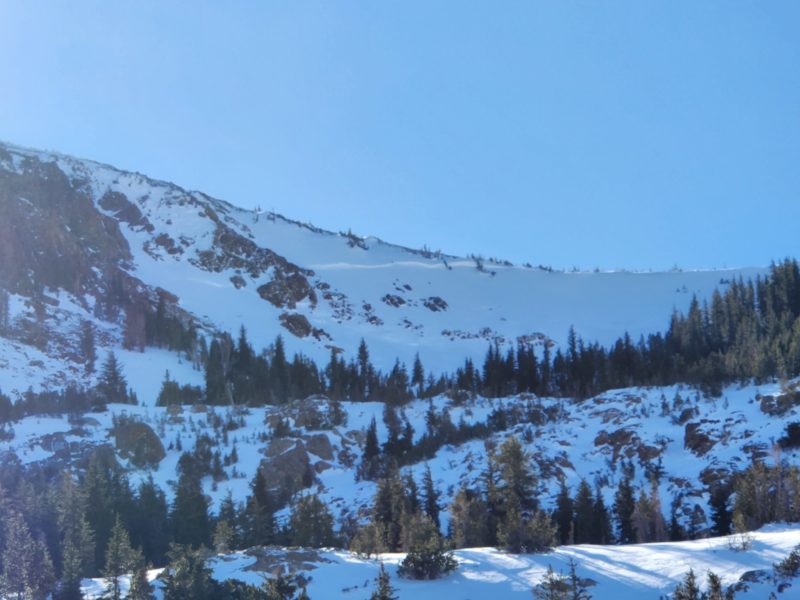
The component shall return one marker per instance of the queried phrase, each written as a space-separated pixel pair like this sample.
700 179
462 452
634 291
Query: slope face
84 241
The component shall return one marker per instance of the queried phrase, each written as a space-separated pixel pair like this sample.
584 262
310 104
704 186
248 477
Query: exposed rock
124 210
278 446
435 303
238 281
290 471
321 466
320 445
138 443
299 326
696 440
287 289
393 300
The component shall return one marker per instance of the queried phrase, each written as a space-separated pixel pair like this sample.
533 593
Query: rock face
290 471
51 235
138 443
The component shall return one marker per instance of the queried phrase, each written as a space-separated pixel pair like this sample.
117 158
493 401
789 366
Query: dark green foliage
174 393
188 576
749 331
370 467
120 559
789 567
765 494
430 496
584 515
260 511
792 437
557 586
140 588
112 386
720 510
563 514
311 524
150 524
624 505
428 560
27 571
383 588
687 589
190 522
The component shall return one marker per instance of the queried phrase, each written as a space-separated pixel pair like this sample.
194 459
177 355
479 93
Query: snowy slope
635 572
575 446
401 301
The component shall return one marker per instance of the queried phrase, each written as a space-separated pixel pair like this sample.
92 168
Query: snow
499 303
620 572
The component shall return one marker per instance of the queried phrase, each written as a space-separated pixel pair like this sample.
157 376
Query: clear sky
613 134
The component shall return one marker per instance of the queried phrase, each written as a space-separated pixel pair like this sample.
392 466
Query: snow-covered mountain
82 241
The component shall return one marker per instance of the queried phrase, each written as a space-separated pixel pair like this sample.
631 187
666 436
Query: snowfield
635 572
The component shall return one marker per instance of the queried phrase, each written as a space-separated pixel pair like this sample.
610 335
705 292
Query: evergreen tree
112 386
27 571
601 529
383 589
468 526
188 576
428 560
688 588
563 514
431 497
370 461
260 511
584 514
150 523
189 517
279 587
311 523
88 347
140 588
624 505
120 558
553 586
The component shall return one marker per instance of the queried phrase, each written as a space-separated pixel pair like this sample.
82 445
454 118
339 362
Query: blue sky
611 134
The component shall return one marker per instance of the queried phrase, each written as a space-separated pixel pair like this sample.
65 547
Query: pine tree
563 514
140 588
688 588
370 461
88 347
150 523
601 530
624 505
112 386
311 523
553 586
260 511
187 576
189 517
584 514
468 527
418 376
279 587
27 571
428 559
120 558
431 497
383 589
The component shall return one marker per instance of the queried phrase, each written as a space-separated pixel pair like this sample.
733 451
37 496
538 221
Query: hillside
179 374
636 572
81 241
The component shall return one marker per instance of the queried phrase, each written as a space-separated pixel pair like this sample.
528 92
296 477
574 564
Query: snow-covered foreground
644 571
